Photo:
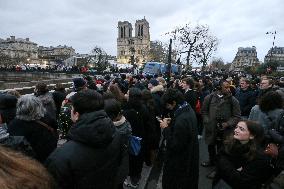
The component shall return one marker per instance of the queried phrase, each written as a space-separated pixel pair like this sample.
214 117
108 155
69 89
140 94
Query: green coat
213 107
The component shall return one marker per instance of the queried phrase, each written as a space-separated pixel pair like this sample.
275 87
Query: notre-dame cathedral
133 50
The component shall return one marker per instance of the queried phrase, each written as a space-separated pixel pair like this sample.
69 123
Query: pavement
152 176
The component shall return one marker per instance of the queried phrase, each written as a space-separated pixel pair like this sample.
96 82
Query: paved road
152 176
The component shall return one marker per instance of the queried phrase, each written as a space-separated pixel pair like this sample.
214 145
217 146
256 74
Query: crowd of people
114 126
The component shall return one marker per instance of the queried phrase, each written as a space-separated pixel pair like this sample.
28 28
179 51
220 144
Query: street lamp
274 34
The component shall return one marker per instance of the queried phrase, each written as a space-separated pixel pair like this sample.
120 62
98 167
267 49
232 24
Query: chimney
12 38
27 39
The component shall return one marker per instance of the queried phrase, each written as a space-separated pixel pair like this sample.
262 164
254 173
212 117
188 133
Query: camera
220 129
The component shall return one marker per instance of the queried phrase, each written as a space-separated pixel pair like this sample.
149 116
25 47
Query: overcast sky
83 24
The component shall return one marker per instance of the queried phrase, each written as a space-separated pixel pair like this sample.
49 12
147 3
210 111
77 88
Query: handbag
134 145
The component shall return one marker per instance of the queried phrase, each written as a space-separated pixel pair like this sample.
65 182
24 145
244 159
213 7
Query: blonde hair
18 171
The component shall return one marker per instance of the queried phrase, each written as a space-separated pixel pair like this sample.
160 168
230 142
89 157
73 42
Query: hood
94 129
158 88
119 122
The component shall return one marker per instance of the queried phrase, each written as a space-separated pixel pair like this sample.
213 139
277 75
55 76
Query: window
121 32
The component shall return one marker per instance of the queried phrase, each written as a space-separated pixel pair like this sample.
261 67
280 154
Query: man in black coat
246 97
181 168
91 157
190 95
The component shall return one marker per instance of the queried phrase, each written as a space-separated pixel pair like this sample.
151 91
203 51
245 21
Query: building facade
24 51
18 48
133 49
55 54
275 54
245 57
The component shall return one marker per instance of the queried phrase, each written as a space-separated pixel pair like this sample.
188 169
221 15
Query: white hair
29 108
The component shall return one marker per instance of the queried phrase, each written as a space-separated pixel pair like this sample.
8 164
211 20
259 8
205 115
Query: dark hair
255 130
189 81
115 90
135 97
270 101
172 95
41 88
148 100
112 108
87 101
123 76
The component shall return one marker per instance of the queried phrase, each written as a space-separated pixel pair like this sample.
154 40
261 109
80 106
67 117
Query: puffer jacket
17 143
91 157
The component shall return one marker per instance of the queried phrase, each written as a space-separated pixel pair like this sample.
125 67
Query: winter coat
123 127
157 92
254 172
181 166
90 157
191 97
226 108
17 143
42 140
264 118
247 99
138 119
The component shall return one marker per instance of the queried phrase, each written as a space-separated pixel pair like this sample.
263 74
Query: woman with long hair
19 171
136 113
117 93
152 131
242 162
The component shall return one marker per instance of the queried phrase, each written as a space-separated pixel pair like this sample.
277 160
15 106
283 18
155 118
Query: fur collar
119 122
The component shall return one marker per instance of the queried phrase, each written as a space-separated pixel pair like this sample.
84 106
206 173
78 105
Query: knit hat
78 83
154 82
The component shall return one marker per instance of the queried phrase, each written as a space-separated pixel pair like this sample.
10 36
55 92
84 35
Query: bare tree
187 38
100 56
158 52
217 63
205 49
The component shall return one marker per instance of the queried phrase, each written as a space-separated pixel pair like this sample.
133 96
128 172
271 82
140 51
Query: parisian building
245 57
133 49
55 54
26 51
275 54
18 48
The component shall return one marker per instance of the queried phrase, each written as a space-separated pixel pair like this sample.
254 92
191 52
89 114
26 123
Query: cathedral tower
133 49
